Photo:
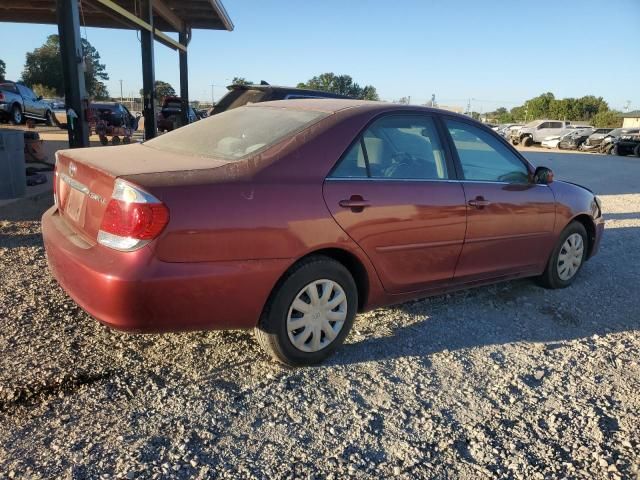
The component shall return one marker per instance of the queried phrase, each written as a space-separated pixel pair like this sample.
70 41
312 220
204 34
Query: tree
609 118
3 69
163 89
240 81
44 91
43 67
340 84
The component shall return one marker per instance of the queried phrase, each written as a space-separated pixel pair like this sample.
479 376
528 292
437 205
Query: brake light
1 96
132 218
55 182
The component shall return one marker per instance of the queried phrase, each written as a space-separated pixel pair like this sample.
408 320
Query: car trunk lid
85 178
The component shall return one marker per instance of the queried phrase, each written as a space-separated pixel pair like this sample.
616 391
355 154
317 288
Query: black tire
636 150
550 278
16 115
48 119
616 150
271 332
126 140
104 140
115 140
526 141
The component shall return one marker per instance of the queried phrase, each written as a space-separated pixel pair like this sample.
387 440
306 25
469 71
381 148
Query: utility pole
212 99
120 91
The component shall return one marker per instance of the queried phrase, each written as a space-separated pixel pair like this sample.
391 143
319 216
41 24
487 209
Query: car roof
334 105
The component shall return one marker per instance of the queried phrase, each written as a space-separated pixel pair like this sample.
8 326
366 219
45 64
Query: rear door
510 220
394 193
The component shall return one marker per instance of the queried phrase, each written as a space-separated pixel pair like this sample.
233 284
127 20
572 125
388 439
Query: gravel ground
507 381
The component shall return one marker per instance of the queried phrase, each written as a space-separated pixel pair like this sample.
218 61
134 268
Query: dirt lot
508 381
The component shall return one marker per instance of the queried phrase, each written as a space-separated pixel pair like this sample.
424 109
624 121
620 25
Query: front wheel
309 313
527 141
567 257
16 115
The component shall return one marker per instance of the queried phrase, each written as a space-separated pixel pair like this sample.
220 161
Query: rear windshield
236 133
238 98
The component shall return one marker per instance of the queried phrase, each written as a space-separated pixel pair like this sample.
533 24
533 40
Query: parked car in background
170 115
112 119
537 131
574 140
608 142
289 217
551 142
504 130
627 144
240 95
18 103
595 139
59 112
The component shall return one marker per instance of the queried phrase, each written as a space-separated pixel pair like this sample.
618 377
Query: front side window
483 157
396 147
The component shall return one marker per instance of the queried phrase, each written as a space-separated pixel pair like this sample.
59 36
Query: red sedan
290 217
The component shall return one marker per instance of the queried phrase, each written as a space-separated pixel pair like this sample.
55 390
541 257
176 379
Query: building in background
631 119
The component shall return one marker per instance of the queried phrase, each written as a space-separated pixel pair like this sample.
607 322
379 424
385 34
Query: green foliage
44 91
240 81
3 69
43 67
163 89
342 85
609 118
547 106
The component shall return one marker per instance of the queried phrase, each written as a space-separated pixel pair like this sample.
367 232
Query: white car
551 141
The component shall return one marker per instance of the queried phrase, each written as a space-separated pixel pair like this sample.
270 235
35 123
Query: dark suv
240 95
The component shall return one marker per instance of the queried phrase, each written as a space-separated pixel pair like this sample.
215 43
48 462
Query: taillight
132 218
55 182
1 96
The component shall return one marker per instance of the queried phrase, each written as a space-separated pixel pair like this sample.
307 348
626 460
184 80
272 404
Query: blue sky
498 53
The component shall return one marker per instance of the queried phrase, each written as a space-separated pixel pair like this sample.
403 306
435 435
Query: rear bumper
134 291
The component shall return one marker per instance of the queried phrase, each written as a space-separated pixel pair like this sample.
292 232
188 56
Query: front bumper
134 291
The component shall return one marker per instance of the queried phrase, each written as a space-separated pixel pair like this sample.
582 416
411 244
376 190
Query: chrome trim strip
76 185
441 180
417 246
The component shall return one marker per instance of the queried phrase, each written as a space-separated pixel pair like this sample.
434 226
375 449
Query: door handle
479 202
356 203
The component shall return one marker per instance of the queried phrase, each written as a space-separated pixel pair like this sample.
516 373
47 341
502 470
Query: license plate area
75 202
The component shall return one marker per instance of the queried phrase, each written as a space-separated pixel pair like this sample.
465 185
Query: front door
510 220
393 193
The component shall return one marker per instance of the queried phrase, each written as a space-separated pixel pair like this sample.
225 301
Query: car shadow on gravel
516 311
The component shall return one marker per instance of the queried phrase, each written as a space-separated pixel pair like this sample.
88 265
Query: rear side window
396 147
236 133
483 157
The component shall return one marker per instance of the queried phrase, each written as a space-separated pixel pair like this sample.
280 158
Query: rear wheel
115 140
527 141
309 313
567 257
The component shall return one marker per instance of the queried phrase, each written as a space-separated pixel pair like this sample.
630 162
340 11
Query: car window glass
396 147
556 125
543 125
483 157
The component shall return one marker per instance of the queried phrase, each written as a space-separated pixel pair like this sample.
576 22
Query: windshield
236 133
535 123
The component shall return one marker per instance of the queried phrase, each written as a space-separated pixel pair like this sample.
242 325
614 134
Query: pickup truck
18 102
538 130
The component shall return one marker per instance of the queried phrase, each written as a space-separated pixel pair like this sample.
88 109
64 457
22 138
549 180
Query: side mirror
543 176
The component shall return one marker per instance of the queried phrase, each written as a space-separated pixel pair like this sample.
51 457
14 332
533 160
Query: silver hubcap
317 315
17 116
570 257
